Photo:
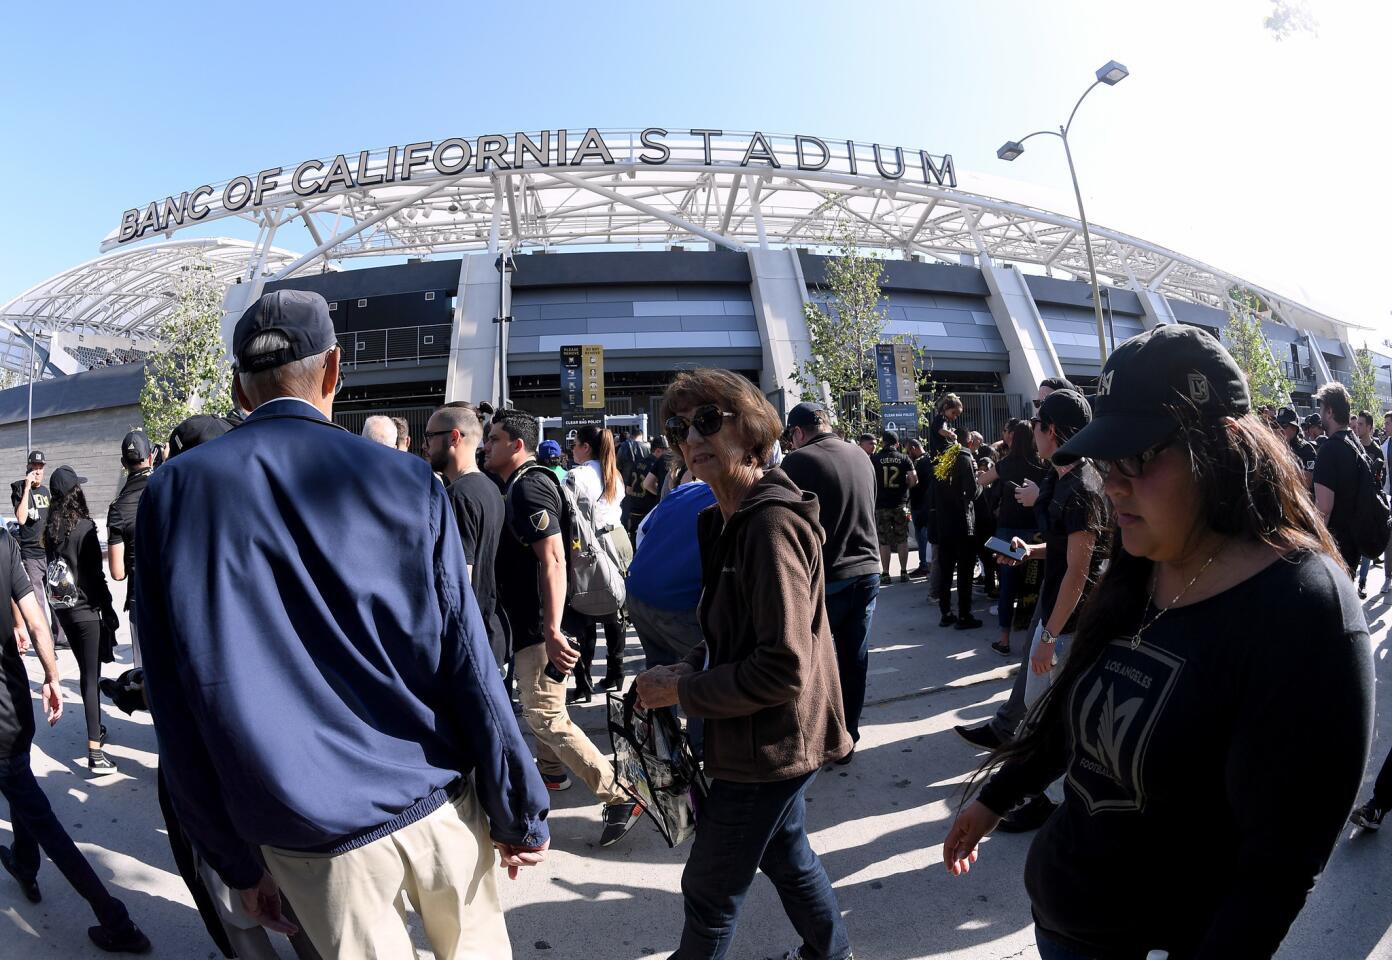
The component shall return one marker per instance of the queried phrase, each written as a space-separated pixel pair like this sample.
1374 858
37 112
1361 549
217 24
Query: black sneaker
1362 591
846 760
29 886
948 619
1368 816
1004 651
124 939
969 623
99 764
1028 816
556 783
619 818
885 579
983 736
919 571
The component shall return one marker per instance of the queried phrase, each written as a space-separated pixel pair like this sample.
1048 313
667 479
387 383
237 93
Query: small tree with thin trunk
1243 337
188 373
1363 384
845 322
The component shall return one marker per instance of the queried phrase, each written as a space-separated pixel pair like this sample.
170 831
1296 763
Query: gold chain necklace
1136 640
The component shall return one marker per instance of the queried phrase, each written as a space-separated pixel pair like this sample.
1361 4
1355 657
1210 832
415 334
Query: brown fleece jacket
766 680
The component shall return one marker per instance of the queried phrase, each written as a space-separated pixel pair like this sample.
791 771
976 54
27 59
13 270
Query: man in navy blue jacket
318 671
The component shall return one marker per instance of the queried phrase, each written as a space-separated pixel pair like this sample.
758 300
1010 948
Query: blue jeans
850 605
743 828
921 538
35 826
1005 604
1051 949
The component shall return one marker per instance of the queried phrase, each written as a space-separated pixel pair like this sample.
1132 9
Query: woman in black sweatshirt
81 600
1213 716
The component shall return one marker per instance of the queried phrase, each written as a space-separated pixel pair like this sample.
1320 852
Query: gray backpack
594 572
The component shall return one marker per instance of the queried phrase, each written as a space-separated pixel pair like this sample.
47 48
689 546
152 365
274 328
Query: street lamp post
506 265
1111 73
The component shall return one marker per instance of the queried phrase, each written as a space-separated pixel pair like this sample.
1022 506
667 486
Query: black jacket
955 499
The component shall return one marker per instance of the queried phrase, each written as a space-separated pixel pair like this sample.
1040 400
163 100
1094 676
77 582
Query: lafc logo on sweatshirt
727 569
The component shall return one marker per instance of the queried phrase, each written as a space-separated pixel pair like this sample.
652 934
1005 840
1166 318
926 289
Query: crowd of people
1175 572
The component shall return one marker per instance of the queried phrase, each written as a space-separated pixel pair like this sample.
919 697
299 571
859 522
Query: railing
1297 373
402 346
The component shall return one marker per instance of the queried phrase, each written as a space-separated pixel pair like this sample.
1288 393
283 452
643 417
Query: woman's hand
960 847
987 475
658 687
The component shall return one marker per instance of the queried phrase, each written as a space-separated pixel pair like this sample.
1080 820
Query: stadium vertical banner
582 388
897 380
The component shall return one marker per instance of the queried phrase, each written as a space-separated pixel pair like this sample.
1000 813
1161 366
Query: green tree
1363 384
188 373
1266 381
845 322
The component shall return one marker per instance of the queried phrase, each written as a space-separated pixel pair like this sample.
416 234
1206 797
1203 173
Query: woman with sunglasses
765 679
597 479
1213 717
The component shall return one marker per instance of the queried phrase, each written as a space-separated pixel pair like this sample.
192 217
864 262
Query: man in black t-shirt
1336 471
894 478
33 823
138 458
920 503
646 489
1304 452
451 441
1363 429
531 570
30 498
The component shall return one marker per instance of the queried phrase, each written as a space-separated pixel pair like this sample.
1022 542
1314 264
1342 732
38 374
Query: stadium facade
669 248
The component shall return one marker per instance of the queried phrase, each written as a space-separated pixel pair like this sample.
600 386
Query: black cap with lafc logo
1142 384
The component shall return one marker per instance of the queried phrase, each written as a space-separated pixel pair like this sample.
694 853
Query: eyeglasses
425 437
707 420
1133 467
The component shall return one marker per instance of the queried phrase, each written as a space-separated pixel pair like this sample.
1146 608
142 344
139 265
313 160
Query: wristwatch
1045 636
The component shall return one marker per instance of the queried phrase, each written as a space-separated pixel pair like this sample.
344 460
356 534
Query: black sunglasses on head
707 420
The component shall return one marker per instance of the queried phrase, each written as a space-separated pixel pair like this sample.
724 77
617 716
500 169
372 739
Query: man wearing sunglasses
843 479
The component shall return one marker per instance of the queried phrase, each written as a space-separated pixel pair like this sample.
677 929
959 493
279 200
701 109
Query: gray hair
381 430
298 378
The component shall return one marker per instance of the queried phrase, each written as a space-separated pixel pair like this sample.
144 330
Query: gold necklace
1136 640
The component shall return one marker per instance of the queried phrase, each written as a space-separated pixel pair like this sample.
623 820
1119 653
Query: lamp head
1111 73
1010 150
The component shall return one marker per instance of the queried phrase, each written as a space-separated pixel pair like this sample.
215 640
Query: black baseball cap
64 481
195 430
136 448
300 315
1287 417
807 414
659 442
36 456
1313 420
1144 379
1067 410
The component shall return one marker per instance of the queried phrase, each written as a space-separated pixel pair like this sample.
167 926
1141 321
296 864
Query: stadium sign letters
428 160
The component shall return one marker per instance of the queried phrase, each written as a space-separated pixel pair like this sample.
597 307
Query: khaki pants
350 903
559 742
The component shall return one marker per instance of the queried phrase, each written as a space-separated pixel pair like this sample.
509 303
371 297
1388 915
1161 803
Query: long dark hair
1022 444
1249 489
65 514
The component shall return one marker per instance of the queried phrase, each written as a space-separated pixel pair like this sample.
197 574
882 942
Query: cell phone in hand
997 545
551 670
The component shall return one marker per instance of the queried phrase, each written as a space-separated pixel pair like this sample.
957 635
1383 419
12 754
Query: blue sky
1224 143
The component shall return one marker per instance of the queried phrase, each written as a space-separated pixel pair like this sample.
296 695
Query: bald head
381 430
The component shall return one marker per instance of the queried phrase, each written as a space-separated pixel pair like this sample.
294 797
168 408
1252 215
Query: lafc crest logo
540 520
1104 386
1198 388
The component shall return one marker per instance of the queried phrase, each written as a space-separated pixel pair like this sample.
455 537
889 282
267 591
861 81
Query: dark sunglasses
1133 467
707 420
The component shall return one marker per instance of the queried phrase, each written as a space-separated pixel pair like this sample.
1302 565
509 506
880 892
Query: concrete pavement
878 825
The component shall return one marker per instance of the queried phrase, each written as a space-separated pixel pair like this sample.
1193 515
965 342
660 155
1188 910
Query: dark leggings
1382 788
84 636
959 556
588 635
